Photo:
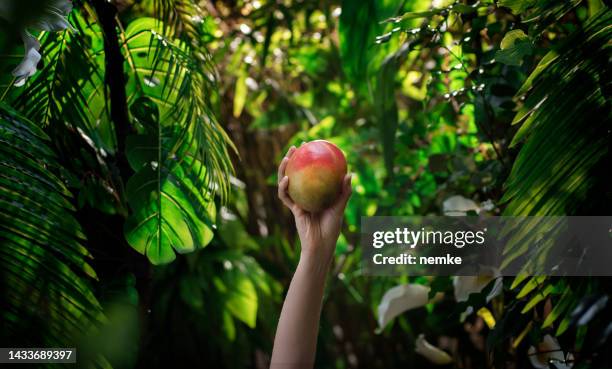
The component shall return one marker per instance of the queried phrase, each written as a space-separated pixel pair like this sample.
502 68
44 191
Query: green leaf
179 80
73 60
514 47
464 9
172 210
517 6
532 284
541 295
242 299
45 267
545 11
565 129
542 65
518 280
228 326
414 15
564 303
240 94
179 155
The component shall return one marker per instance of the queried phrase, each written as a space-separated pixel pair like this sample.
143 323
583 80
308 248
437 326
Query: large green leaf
47 297
179 154
181 80
172 207
171 211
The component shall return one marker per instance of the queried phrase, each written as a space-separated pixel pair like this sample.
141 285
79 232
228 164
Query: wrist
315 262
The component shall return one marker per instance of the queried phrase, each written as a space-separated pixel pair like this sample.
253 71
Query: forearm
298 326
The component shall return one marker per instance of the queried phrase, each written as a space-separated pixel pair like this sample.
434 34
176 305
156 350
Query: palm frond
565 127
47 298
69 89
565 135
180 17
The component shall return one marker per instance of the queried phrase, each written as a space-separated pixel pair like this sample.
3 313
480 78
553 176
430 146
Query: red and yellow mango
316 171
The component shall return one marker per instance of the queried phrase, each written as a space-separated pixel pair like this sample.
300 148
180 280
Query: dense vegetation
139 214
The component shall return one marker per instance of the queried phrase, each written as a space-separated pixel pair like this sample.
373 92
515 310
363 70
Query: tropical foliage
139 148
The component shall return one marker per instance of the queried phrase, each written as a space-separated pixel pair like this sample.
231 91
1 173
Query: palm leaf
565 132
69 89
46 275
565 128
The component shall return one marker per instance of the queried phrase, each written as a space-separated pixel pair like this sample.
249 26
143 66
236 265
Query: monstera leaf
172 207
179 154
46 272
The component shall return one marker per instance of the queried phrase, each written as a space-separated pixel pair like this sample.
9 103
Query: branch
115 79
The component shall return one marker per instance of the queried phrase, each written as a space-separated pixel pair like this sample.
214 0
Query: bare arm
296 335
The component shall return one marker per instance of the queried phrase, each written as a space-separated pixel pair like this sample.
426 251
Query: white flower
457 206
466 285
431 352
400 299
548 351
52 18
27 67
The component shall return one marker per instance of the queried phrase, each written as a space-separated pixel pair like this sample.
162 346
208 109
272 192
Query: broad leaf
172 208
177 150
514 47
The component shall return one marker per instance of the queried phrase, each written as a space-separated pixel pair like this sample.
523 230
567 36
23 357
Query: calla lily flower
431 352
53 18
27 67
466 285
400 299
548 351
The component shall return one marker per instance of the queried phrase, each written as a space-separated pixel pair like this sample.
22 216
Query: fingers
281 169
283 163
345 195
282 193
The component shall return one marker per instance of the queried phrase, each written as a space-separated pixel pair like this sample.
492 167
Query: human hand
318 232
